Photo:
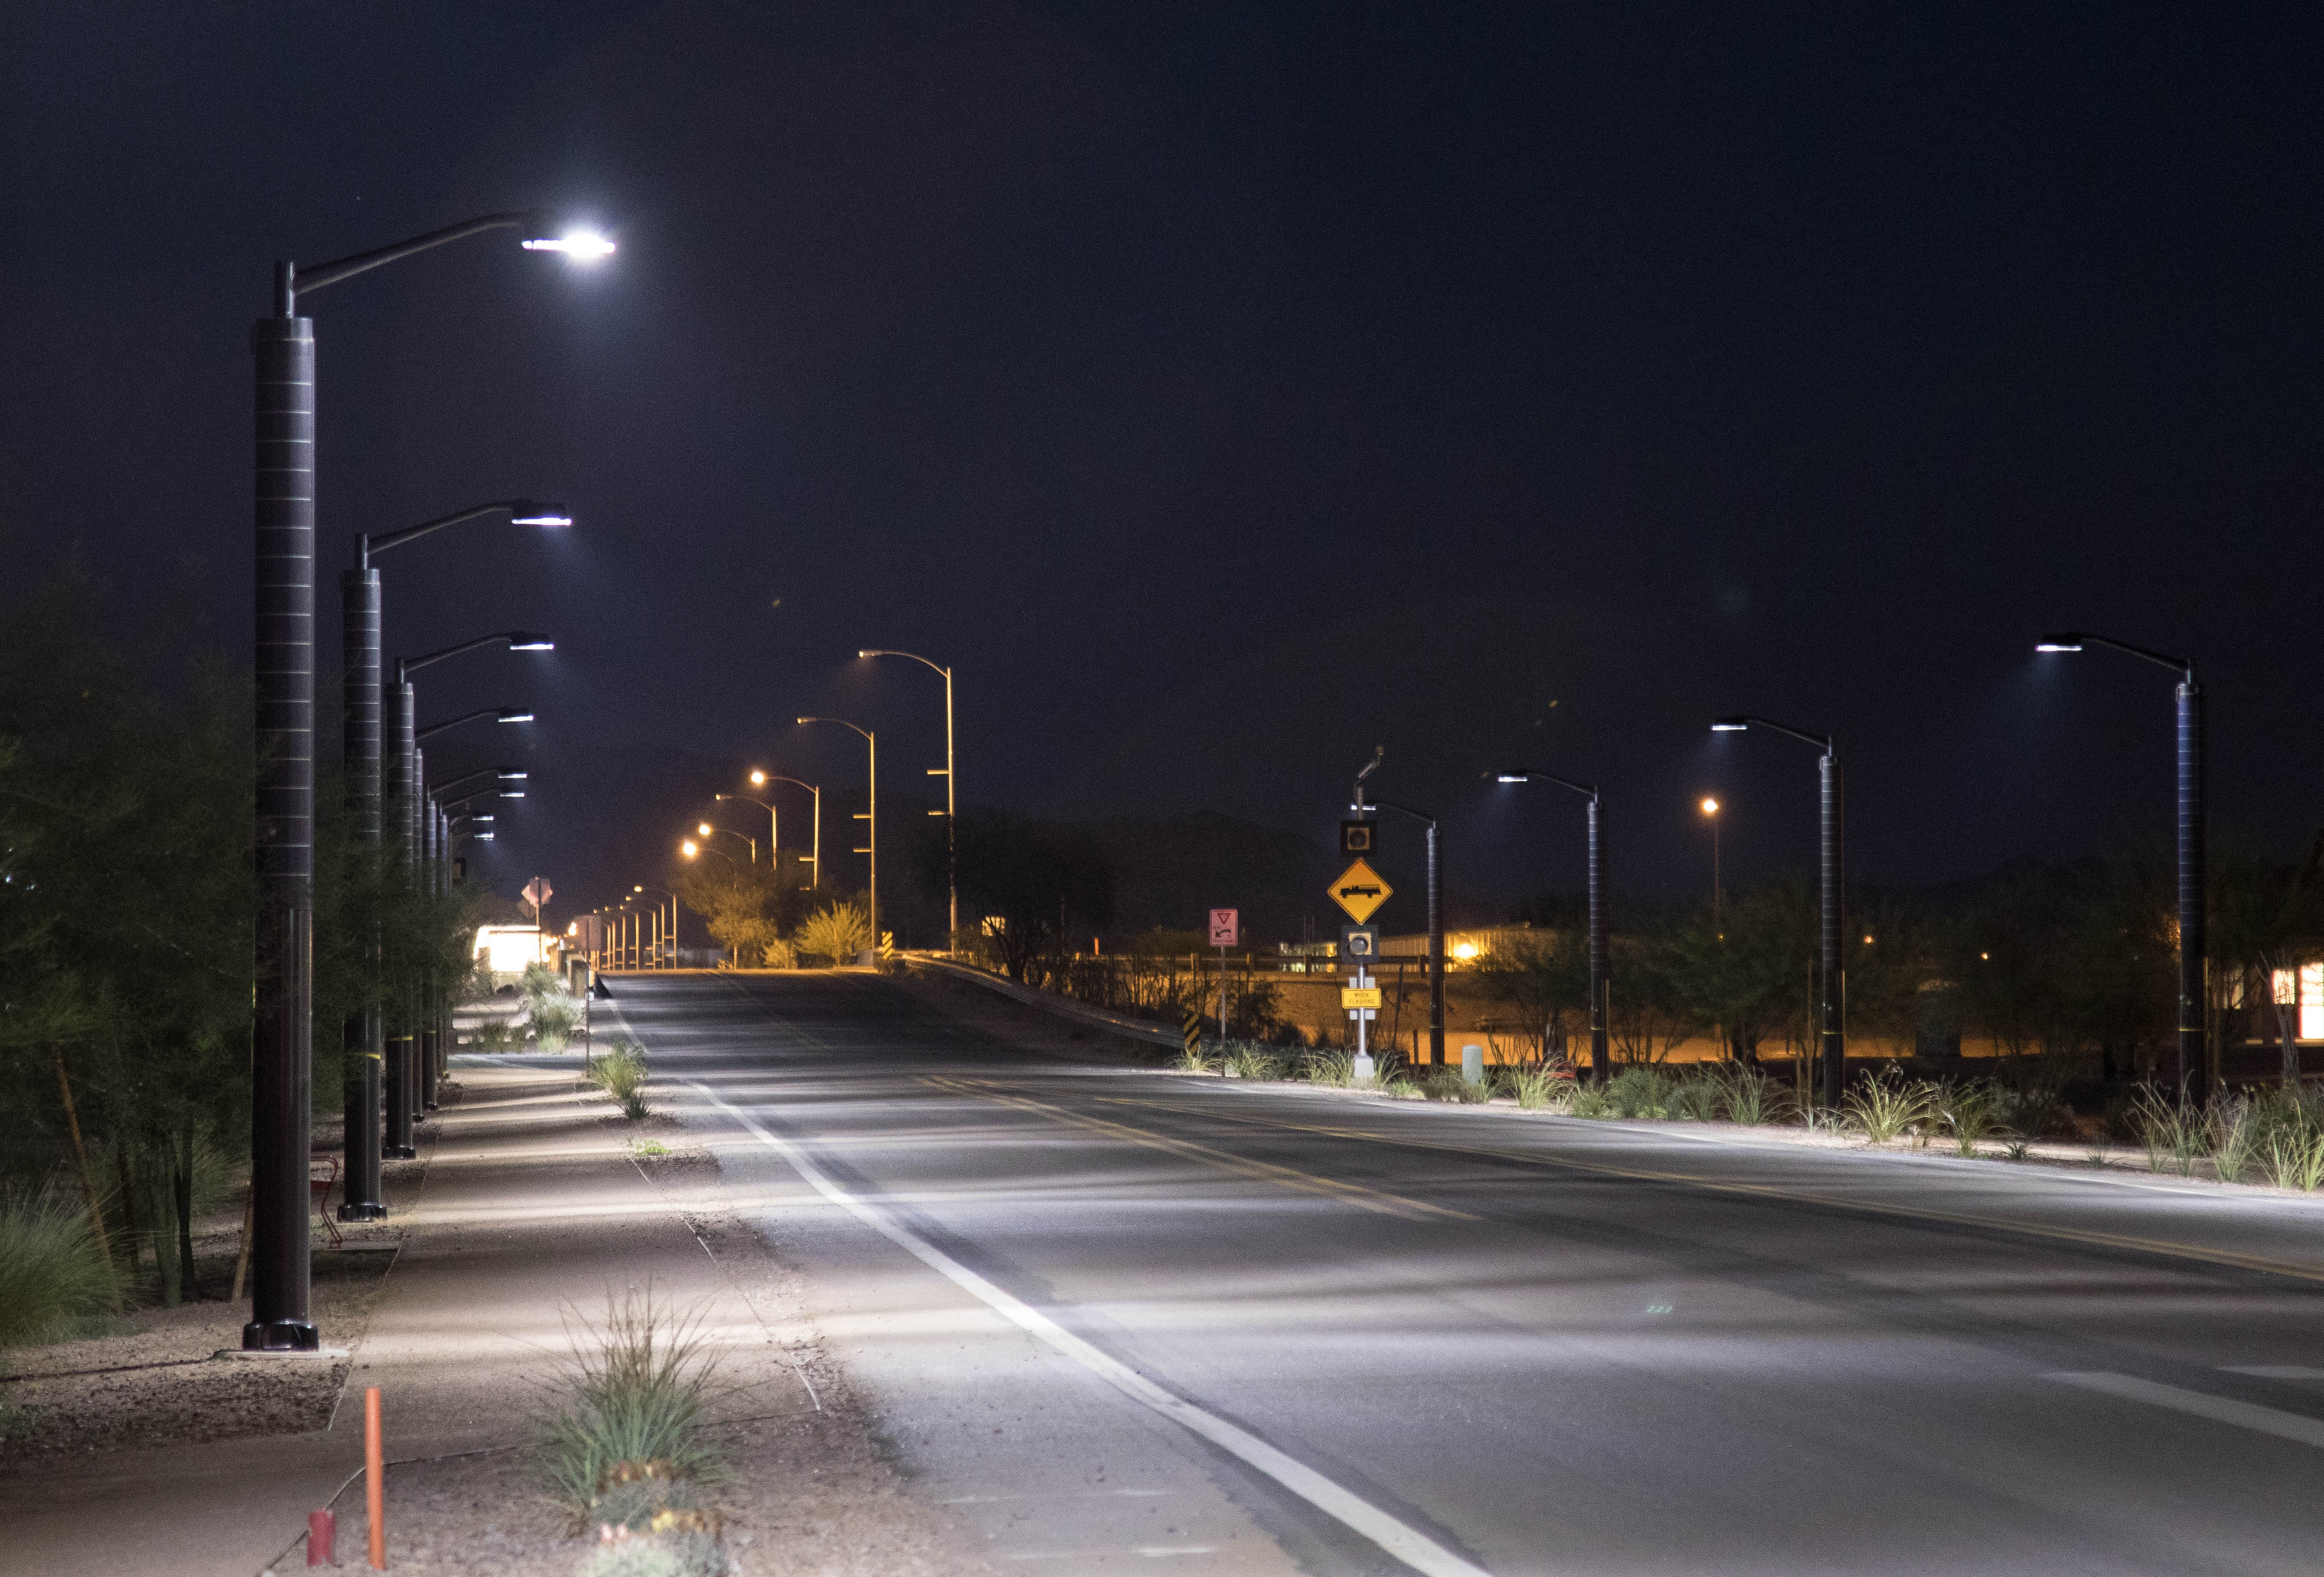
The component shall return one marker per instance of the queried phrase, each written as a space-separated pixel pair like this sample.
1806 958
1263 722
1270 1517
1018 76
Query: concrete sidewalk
533 1208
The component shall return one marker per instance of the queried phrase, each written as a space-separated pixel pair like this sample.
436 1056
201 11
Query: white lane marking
2276 1372
1060 1495
2220 1409
1408 1545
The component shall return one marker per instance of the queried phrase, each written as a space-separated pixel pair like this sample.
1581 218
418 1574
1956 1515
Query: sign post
537 892
1225 925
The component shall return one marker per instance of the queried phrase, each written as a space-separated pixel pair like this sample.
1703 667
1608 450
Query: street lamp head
866 651
512 794
804 720
527 641
1709 807
704 829
688 849
534 511
510 775
2072 641
758 779
514 714
543 233
1730 724
1509 778
483 837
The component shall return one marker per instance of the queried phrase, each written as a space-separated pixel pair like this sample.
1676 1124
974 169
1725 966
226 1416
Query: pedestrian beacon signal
1356 837
1359 942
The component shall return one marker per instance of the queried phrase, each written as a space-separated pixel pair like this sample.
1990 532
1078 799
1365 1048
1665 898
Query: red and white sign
538 892
1224 922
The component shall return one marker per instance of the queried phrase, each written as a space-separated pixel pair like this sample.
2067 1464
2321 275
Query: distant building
512 949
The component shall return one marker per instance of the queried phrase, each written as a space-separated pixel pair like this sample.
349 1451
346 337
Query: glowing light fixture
1729 725
1510 777
581 245
704 829
532 512
2067 642
688 848
758 779
1709 807
526 640
511 714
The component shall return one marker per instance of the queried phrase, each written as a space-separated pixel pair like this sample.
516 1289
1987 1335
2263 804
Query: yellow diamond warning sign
1359 890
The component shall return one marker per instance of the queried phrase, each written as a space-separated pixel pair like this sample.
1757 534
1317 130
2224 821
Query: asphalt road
1121 1320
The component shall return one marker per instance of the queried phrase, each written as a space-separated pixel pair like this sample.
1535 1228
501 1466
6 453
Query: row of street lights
2194 962
281 1048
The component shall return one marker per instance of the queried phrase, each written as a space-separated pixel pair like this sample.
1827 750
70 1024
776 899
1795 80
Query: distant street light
2194 932
281 1043
497 713
1709 808
668 947
874 817
706 831
1832 1039
815 835
1599 1068
951 803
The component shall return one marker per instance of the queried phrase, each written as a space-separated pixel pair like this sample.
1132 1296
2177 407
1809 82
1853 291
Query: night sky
1227 389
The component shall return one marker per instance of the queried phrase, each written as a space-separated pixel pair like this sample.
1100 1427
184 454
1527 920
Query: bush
496 1035
629 1403
1535 1089
1336 1069
54 1272
1751 1098
620 1071
838 932
2174 1133
1638 1092
556 1019
1970 1111
1887 1103
1699 1099
1245 1060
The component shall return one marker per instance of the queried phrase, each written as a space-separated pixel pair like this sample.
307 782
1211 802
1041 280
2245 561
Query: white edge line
2286 1371
1413 1548
2220 1409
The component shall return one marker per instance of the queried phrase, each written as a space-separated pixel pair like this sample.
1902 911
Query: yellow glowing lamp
688 849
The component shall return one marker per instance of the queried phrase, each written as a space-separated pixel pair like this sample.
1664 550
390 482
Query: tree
1029 883
750 909
1750 972
1544 975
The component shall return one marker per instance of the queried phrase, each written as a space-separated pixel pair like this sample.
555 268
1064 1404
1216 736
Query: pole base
362 1212
281 1336
432 1106
398 1152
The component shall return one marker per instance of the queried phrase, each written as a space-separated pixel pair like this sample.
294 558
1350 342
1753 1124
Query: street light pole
2194 932
1832 896
1600 1068
952 804
282 346
873 742
1436 914
815 837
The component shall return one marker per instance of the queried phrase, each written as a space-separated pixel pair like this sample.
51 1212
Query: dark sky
1227 389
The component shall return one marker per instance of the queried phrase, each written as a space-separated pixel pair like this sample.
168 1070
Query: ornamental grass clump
556 1018
627 1407
1752 1098
1970 1112
54 1271
2175 1134
620 1071
1536 1089
1887 1103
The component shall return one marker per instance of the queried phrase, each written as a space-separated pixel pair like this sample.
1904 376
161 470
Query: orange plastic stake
375 1480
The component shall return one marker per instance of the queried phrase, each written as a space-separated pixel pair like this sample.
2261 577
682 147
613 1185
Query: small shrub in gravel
620 1071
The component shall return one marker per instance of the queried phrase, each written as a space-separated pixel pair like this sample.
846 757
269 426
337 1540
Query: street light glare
866 653
526 640
532 512
506 776
1709 807
581 245
704 829
2058 646
510 715
1510 777
1729 725
757 778
688 848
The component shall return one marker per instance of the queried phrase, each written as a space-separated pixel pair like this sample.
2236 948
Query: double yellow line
1353 1194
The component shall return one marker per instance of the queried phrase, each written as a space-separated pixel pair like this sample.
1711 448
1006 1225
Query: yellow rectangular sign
1353 996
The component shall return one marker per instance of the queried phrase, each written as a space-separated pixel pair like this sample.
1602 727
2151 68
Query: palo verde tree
1029 885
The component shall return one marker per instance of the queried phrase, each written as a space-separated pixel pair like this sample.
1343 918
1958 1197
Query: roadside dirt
1026 1028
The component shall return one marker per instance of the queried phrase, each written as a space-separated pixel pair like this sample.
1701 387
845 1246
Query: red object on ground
375 1480
322 1533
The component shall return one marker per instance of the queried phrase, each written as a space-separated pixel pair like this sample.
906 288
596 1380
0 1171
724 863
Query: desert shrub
1970 1111
1536 1089
54 1271
1247 1060
619 1071
556 1019
496 1035
2175 1134
1324 1066
1887 1103
1638 1092
838 932
1697 1100
628 1402
1752 1098
2235 1130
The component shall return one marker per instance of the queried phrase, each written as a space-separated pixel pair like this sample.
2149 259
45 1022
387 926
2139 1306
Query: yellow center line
2225 1257
1240 1165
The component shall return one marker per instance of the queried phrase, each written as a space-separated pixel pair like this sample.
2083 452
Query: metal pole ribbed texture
1599 1068
2194 951
1832 874
359 754
281 1039
396 1096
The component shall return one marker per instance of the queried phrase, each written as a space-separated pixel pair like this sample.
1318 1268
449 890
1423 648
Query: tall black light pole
362 1037
1435 913
1600 1067
2194 932
1831 874
283 1008
407 1053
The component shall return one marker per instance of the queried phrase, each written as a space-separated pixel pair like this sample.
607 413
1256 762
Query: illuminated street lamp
1600 1068
1832 1040
952 802
706 831
874 817
667 946
2194 939
815 835
497 713
281 1036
